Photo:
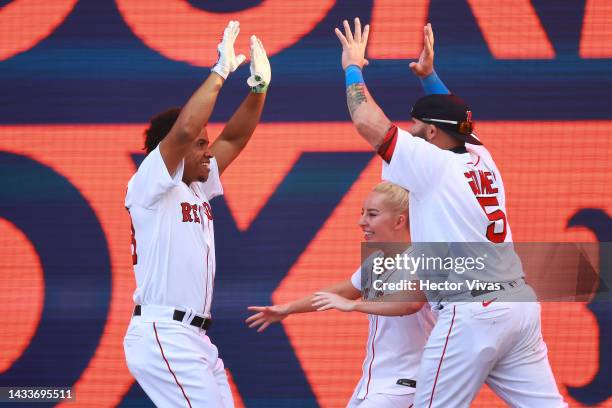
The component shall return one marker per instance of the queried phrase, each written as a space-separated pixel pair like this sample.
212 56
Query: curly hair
159 127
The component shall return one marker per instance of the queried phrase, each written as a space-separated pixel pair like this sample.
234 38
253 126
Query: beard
420 135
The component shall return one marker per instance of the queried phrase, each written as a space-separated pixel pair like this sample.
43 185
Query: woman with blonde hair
398 330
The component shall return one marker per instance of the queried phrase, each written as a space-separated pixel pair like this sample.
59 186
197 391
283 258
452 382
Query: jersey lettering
481 184
191 212
207 210
196 218
186 210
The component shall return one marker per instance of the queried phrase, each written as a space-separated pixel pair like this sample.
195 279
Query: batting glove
228 60
261 73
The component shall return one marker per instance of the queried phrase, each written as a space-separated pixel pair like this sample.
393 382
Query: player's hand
325 301
353 47
261 73
228 60
425 65
265 316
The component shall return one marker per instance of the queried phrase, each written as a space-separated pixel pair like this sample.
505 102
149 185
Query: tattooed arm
370 121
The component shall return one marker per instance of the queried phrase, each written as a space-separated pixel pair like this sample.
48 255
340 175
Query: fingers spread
347 31
341 37
256 323
366 34
254 317
357 30
263 327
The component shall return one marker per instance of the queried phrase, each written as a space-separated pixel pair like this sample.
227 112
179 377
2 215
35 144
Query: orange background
548 178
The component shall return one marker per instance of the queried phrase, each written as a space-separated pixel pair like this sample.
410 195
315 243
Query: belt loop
189 316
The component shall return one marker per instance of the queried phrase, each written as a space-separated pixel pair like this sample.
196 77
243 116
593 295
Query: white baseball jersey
173 245
496 337
395 343
456 197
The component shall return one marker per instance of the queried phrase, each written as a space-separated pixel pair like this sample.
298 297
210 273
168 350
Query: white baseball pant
175 364
498 342
382 401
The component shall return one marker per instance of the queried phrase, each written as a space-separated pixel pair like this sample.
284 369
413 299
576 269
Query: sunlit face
380 223
197 159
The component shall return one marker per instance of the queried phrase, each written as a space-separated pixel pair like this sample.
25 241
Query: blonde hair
396 197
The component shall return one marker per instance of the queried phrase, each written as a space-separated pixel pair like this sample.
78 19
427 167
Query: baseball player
397 330
457 196
166 345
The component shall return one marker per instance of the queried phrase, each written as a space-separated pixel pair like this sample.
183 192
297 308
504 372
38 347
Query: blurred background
80 79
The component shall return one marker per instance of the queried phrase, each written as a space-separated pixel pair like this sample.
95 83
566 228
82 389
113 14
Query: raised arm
424 67
266 315
241 125
195 114
369 119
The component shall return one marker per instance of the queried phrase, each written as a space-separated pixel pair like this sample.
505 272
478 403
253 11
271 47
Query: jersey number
497 215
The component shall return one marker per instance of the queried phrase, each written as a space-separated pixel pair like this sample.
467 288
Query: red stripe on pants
168 364
441 358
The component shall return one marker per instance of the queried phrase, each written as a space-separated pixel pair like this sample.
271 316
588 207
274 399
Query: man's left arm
241 125
424 67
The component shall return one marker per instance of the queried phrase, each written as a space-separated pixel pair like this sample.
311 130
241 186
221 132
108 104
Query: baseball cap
448 112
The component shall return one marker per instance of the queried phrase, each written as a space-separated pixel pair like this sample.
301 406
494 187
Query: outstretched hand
265 316
326 300
228 61
425 65
353 47
261 73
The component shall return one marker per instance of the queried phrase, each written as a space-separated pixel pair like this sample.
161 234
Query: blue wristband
353 75
432 84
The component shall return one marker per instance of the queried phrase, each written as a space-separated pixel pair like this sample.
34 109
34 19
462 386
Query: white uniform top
395 343
455 197
173 244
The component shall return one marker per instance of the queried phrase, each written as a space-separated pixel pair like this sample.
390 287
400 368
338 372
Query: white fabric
394 348
174 362
443 207
500 344
175 250
382 401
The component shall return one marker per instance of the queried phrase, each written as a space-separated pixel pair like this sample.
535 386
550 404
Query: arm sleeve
152 180
356 279
212 187
432 84
414 164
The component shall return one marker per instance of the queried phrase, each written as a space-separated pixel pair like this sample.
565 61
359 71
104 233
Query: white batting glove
228 60
261 73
